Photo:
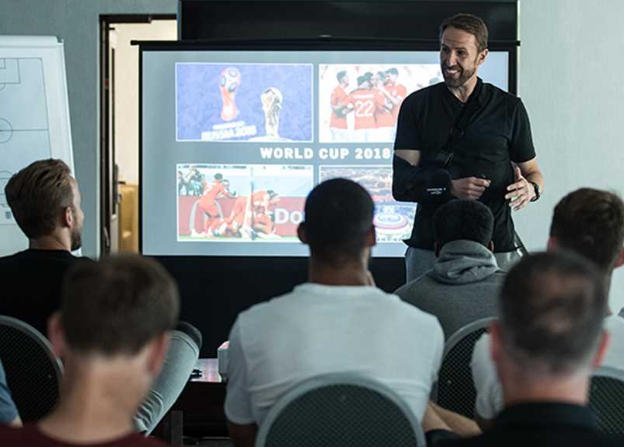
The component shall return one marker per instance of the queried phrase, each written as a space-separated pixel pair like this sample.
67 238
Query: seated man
112 332
337 322
45 201
589 222
548 340
8 412
465 280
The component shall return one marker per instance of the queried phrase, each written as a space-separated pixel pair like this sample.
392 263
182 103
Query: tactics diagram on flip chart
24 124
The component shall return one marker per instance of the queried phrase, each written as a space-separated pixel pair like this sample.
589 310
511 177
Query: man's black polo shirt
540 424
30 284
497 133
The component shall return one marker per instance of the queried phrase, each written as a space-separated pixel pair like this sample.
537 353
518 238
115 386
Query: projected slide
393 220
241 203
244 102
233 142
361 102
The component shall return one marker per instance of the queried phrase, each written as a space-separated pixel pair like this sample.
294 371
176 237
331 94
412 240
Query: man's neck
53 241
354 273
94 406
464 91
571 390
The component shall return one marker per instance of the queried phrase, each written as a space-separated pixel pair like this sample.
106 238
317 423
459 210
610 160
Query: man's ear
158 351
552 244
605 340
67 217
482 56
301 233
56 335
619 261
371 237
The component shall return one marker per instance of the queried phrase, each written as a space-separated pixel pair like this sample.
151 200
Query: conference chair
455 390
32 370
340 409
606 400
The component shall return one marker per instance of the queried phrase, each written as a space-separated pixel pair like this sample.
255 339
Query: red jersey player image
251 217
338 121
384 119
364 102
209 206
397 92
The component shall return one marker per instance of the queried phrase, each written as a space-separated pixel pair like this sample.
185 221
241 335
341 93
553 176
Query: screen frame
215 289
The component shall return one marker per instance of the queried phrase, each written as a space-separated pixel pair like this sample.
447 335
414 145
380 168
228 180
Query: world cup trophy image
272 106
228 85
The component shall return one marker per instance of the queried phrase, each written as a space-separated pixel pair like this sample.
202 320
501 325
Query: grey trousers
176 370
419 261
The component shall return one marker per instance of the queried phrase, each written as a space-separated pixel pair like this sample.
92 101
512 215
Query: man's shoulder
8 433
498 95
30 436
38 258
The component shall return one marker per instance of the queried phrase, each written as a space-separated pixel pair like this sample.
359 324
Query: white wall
571 80
127 90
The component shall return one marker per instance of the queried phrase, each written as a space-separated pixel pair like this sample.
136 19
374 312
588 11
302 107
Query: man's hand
520 193
470 188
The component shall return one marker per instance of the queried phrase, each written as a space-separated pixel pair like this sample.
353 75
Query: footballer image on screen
360 103
234 203
244 102
393 220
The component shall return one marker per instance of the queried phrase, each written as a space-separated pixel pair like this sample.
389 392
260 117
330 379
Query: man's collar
546 414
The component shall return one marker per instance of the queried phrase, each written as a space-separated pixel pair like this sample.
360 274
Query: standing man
458 139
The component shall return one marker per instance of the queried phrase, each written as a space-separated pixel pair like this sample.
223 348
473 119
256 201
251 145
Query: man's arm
489 398
470 188
522 191
411 156
243 435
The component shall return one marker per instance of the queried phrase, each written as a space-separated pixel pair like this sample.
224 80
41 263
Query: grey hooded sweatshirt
462 287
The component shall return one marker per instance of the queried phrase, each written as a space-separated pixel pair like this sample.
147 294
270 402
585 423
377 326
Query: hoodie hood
463 262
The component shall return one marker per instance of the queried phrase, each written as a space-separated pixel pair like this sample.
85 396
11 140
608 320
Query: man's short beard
459 82
76 241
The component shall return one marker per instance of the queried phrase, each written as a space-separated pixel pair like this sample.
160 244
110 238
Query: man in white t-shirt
336 322
589 222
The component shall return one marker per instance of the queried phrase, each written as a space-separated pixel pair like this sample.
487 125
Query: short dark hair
392 70
340 75
117 305
338 215
470 24
362 79
463 220
552 307
590 222
38 194
218 176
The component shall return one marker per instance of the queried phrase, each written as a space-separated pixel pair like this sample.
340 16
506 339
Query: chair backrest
32 370
340 410
606 400
455 390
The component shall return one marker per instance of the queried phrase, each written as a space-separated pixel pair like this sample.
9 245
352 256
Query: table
199 409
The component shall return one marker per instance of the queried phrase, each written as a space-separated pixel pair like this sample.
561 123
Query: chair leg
173 424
